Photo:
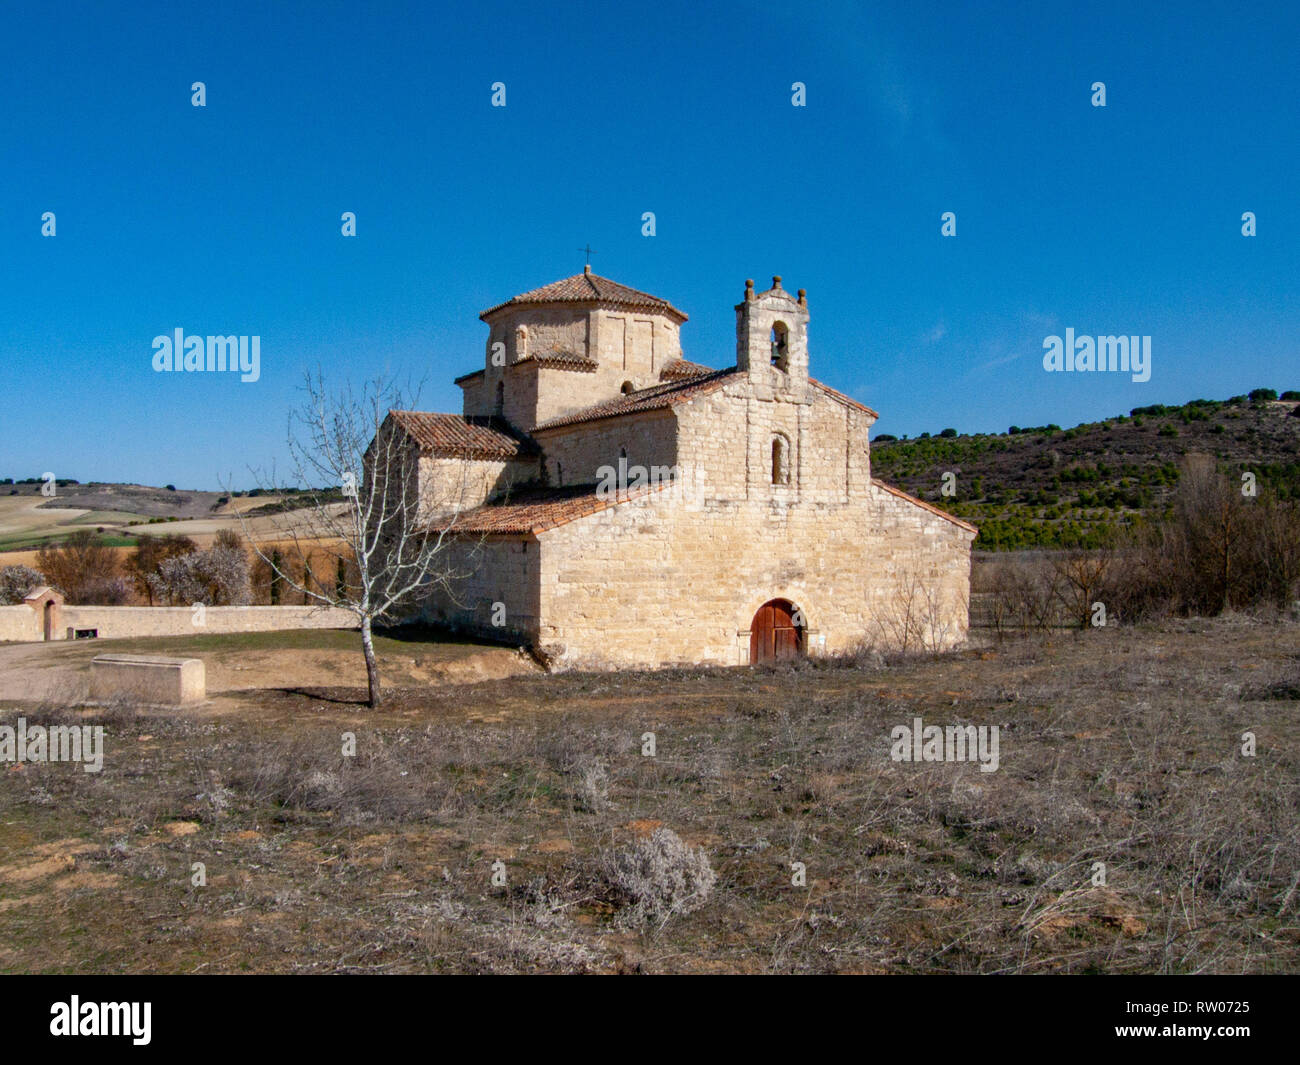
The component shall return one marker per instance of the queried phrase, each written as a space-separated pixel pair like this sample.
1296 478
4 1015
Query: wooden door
774 633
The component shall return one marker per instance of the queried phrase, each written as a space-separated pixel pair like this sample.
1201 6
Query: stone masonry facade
610 504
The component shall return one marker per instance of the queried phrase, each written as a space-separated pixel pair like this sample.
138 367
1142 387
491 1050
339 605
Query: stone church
609 503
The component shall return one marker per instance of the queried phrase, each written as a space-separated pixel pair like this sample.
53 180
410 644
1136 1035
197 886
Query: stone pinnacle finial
803 296
749 289
776 280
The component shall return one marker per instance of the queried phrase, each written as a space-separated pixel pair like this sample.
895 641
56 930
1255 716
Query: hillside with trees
1049 487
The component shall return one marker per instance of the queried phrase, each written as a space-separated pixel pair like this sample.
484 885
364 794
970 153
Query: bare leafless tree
1277 549
1207 536
84 569
1083 575
918 617
356 501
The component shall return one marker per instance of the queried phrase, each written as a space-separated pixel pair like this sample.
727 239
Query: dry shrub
592 785
657 877
1026 593
64 706
918 618
1217 551
83 569
16 582
379 783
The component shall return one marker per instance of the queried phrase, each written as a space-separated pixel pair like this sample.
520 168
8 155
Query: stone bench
148 678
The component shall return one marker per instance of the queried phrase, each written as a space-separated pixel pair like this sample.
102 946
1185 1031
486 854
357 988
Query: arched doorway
776 632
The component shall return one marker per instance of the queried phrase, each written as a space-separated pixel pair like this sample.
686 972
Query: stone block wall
519 406
461 484
525 331
575 453
656 581
149 678
122 622
482 572
557 391
634 346
474 399
729 435
628 346
19 624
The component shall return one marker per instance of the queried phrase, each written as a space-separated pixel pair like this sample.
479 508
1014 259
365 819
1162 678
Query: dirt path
40 671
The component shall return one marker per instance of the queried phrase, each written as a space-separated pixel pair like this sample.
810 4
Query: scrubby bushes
150 553
215 577
1216 550
16 582
1219 549
658 877
84 570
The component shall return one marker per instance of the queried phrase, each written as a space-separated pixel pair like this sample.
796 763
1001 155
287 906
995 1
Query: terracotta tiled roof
923 504
557 360
683 369
539 509
458 436
562 360
656 397
588 288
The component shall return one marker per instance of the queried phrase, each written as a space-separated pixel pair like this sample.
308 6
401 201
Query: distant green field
30 541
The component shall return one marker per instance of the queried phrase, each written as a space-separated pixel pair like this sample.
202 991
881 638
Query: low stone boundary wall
21 623
148 678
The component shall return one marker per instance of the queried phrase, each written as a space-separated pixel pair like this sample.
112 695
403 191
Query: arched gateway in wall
776 632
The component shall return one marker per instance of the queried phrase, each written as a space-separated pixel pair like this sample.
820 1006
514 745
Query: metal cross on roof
589 252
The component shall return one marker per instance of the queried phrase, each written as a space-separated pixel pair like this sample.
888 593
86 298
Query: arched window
501 397
780 346
628 386
780 460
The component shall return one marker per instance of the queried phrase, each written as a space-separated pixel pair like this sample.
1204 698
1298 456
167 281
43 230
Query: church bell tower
772 337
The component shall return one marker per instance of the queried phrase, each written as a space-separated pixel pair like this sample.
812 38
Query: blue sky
225 219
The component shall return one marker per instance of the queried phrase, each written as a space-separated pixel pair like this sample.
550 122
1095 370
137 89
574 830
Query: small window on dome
628 386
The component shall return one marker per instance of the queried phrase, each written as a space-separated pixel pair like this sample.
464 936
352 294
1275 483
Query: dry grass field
1120 746
121 516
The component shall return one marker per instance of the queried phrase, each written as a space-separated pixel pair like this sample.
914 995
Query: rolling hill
119 513
1052 487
